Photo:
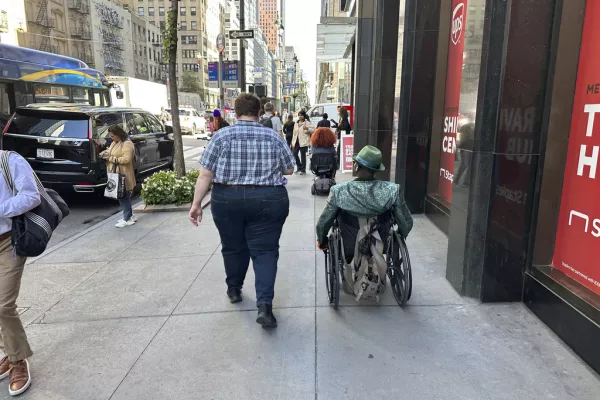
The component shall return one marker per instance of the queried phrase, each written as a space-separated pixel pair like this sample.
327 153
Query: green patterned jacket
365 198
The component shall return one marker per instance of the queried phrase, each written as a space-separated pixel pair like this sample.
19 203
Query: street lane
87 210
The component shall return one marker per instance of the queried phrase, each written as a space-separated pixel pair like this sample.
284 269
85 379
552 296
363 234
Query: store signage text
457 22
584 160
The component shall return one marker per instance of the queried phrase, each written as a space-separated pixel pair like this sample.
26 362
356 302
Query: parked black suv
62 143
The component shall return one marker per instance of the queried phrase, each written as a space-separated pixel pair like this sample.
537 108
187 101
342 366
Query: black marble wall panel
419 57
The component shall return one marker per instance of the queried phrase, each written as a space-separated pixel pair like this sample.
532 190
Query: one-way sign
248 34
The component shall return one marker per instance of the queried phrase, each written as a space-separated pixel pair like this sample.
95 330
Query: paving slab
224 356
448 352
295 285
129 289
179 239
43 285
84 360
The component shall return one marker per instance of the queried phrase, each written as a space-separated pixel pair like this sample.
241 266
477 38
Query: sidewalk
141 313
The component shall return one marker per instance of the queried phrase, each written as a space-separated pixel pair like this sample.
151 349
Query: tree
189 82
170 52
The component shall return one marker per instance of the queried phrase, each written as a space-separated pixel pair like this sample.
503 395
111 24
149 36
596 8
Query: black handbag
32 230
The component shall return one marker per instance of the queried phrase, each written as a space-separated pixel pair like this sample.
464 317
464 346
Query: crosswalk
192 153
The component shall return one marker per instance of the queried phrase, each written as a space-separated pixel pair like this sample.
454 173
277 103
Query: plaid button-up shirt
248 153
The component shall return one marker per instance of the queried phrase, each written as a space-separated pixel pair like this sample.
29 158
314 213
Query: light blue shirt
27 196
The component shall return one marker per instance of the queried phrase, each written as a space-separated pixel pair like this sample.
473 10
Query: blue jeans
125 203
250 220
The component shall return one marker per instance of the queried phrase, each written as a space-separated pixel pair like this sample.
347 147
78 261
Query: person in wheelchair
364 197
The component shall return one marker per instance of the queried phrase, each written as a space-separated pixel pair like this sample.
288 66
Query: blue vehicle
30 76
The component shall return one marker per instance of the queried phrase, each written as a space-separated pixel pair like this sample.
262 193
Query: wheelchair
399 271
323 166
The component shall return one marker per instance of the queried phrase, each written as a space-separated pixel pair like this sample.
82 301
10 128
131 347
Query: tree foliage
189 82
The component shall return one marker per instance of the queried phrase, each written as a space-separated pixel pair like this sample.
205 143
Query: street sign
247 34
221 42
292 85
213 74
230 74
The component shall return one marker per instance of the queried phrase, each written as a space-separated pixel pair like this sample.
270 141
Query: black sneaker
266 317
235 295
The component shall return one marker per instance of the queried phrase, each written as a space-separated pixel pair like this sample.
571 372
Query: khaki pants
13 339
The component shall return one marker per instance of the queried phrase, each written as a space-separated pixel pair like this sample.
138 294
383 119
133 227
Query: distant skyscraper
269 20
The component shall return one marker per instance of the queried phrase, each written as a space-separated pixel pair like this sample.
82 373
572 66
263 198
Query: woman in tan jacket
121 154
301 140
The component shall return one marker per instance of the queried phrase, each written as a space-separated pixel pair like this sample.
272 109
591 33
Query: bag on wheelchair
366 275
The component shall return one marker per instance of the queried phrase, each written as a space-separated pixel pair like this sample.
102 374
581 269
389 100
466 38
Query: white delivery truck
138 93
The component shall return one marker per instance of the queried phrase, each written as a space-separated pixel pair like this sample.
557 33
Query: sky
301 21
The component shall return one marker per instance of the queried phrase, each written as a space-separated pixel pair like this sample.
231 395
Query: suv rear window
49 126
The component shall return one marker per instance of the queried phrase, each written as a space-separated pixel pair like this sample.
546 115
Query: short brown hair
247 105
323 137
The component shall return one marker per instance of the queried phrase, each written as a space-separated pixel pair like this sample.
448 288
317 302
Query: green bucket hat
370 158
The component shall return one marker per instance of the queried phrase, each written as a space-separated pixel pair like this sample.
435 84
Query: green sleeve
402 215
326 219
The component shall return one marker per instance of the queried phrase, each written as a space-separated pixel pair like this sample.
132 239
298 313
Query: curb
150 209
32 260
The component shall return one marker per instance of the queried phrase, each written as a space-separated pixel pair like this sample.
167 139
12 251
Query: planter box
143 208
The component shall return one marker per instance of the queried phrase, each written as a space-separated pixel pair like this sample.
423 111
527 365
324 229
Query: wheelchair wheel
331 273
398 271
406 265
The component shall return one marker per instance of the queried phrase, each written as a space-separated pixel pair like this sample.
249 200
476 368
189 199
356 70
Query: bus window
81 95
23 94
97 99
106 97
45 93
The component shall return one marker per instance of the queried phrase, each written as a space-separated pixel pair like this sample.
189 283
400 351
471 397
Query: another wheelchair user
363 208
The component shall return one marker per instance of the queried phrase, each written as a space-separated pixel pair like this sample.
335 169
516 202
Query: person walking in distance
301 140
325 122
288 129
13 340
270 120
245 164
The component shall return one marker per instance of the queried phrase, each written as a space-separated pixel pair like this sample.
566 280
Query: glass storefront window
462 82
568 224
578 226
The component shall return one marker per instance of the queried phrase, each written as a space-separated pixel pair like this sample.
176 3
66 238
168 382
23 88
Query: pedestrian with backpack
301 140
18 196
270 120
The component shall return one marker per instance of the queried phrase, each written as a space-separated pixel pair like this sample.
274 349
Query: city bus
30 76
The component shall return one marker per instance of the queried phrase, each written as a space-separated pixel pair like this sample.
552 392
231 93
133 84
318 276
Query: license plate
45 153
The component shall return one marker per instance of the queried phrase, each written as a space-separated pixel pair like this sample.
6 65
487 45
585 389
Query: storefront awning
333 36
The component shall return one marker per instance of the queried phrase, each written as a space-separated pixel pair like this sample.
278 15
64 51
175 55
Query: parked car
190 120
62 143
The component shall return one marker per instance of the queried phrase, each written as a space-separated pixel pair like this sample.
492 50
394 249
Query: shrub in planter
165 188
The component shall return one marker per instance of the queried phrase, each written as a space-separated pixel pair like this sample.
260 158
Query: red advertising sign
578 235
347 151
453 77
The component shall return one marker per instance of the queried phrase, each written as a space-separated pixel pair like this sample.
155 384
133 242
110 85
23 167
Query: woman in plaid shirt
246 164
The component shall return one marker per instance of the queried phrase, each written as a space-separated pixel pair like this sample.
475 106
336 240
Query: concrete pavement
141 313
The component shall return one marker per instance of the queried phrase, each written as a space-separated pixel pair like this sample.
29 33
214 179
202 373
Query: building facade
13 23
112 42
268 20
61 27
